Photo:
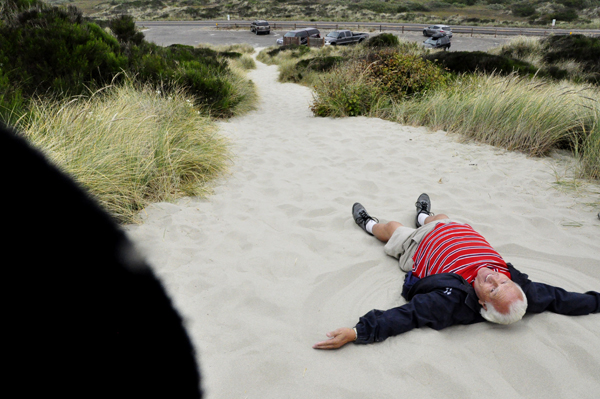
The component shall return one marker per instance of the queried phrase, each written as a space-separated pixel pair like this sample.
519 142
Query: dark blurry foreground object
86 317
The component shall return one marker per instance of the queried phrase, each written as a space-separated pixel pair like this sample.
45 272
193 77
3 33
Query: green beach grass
130 121
521 113
129 146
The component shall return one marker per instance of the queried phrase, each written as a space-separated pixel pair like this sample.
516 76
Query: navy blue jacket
443 300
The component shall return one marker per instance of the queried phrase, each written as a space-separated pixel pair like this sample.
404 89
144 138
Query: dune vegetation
567 13
536 108
131 121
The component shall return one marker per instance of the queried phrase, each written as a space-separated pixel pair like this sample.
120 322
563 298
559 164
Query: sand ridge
266 266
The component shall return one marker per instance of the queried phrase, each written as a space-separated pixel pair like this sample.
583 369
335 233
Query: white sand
271 262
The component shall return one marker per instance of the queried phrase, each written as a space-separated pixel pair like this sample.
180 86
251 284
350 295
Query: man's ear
483 304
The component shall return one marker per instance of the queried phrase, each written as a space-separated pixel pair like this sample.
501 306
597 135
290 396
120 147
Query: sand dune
271 262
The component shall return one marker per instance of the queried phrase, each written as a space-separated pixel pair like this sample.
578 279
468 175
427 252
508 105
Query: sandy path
262 269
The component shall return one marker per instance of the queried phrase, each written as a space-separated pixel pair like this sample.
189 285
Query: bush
346 91
473 61
382 40
567 15
523 9
296 50
582 49
402 75
124 29
319 64
54 51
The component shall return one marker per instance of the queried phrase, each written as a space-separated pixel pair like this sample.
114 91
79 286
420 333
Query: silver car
430 30
438 40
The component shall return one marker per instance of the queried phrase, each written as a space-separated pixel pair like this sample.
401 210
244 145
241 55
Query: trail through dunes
273 260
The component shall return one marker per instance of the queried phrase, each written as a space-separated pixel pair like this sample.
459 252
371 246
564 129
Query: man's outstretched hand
337 339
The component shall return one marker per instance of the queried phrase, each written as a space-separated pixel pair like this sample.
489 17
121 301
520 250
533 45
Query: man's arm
438 309
541 297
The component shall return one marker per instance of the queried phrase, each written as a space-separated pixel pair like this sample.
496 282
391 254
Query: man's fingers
329 344
336 340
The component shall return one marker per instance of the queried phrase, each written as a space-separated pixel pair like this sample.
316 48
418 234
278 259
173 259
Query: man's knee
440 216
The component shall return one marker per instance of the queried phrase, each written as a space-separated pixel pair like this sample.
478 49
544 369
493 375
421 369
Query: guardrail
482 30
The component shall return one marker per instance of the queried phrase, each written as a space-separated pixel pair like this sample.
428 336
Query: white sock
369 226
421 218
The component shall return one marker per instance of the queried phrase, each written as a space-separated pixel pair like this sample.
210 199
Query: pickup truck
339 37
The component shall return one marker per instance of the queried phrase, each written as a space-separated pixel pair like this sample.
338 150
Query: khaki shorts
405 240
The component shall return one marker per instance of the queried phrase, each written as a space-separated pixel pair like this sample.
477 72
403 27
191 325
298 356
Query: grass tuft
130 146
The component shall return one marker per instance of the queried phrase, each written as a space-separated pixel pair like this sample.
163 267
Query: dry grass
130 146
529 115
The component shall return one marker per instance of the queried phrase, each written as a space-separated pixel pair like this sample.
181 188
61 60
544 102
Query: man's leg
424 214
383 231
371 225
433 218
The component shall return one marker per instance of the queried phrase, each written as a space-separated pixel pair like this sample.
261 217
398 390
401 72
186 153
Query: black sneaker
423 206
361 217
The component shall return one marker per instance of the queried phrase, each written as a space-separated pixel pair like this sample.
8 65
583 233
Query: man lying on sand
454 276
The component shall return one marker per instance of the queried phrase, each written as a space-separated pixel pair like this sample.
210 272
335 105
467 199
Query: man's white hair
516 310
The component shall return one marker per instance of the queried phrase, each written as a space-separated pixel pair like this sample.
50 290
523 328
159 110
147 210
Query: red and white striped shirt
456 248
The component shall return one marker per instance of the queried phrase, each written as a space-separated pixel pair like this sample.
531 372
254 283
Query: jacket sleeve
541 297
436 309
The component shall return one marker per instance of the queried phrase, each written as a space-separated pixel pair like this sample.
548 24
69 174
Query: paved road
289 25
194 34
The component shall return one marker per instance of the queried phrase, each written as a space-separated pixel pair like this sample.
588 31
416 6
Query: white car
430 30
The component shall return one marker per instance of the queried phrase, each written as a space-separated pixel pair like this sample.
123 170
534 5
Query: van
303 34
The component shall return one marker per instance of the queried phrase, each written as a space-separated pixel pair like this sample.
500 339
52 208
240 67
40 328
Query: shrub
472 61
53 49
523 9
124 29
319 64
402 75
522 48
296 51
573 47
567 15
579 48
382 40
346 91
246 62
12 6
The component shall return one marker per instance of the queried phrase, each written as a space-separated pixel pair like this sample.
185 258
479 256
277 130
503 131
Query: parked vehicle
431 30
339 37
303 34
438 40
260 26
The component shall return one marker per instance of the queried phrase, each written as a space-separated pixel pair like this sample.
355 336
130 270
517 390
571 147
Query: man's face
494 287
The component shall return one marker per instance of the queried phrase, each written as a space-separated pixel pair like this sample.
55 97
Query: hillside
568 13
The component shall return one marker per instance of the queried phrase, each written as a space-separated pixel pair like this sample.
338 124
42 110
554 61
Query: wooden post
379 28
294 26
496 33
402 29
471 32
